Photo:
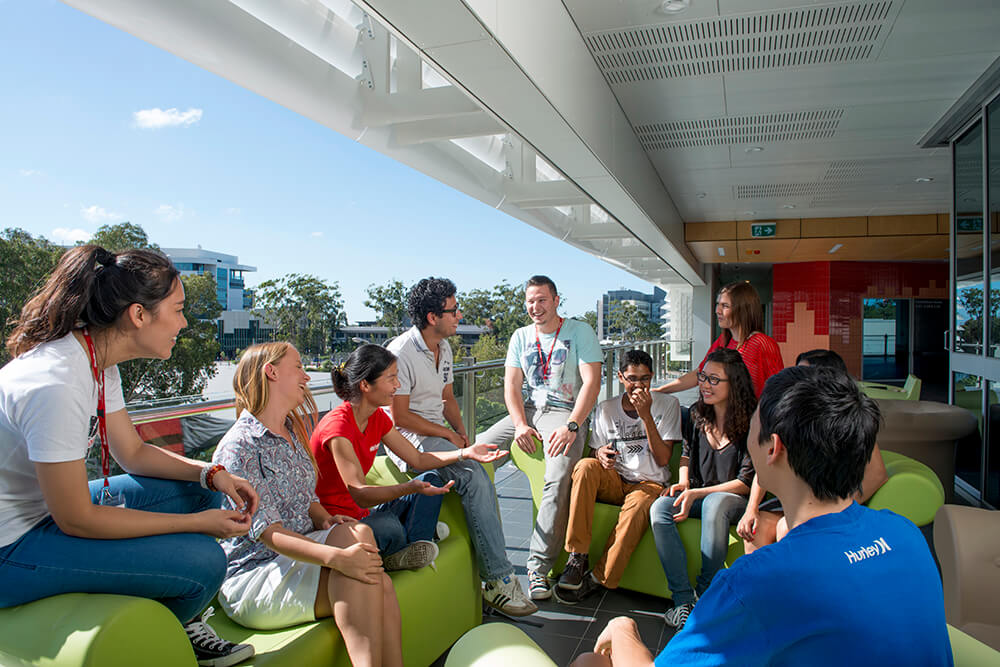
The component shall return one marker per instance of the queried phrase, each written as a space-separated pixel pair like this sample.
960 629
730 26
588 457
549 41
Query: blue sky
244 176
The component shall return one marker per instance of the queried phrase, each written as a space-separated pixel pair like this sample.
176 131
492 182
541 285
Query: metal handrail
143 412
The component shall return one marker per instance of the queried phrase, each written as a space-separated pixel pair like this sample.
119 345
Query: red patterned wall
819 304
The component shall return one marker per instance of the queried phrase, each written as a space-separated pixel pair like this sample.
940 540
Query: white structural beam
526 62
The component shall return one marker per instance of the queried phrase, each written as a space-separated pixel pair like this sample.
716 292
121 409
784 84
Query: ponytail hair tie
104 258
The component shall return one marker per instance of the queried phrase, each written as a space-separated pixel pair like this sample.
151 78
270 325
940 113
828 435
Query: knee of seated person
661 512
203 553
363 532
433 477
587 466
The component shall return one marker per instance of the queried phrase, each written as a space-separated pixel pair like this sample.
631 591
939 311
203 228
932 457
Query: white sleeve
55 422
670 424
114 400
599 436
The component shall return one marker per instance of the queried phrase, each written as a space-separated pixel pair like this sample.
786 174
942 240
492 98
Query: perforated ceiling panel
752 129
818 35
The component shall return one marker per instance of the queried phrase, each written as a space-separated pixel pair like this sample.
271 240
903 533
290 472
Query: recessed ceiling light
753 149
674 6
749 212
701 195
835 248
722 251
788 206
923 179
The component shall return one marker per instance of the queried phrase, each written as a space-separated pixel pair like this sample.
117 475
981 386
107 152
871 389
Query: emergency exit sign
763 230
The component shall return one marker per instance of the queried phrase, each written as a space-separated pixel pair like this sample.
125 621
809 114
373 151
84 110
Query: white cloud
168 213
232 211
155 119
316 235
96 215
32 172
64 235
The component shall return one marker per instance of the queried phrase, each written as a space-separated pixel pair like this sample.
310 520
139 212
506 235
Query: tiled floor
566 631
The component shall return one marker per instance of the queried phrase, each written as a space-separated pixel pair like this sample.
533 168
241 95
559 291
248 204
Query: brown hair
746 310
253 392
91 287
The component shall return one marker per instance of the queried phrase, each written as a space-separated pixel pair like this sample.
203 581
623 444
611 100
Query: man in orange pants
633 436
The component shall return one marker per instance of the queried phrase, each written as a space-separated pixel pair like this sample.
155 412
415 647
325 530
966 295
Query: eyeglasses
449 310
632 379
711 379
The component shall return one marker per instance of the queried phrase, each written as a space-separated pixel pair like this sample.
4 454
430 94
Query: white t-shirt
48 399
420 379
577 345
634 461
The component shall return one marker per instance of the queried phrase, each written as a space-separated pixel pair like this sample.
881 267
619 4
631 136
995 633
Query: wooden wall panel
899 225
830 227
710 231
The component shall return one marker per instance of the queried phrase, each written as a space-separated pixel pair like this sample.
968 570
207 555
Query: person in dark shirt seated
847 585
763 522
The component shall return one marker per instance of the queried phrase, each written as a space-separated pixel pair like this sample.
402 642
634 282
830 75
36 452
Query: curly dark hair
428 296
742 401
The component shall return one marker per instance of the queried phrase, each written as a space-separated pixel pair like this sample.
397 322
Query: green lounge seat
912 490
500 645
910 390
78 630
644 572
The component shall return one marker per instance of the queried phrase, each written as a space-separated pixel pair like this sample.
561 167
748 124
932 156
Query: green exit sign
970 223
763 230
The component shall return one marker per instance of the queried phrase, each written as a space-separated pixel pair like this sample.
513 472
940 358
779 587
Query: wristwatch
572 426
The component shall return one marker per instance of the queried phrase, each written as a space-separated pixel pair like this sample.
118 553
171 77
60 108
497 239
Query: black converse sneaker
210 649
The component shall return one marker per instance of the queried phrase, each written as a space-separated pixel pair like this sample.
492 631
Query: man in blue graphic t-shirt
847 586
559 361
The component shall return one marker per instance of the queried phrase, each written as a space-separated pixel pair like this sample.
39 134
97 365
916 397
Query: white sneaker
413 556
539 586
506 595
442 531
677 615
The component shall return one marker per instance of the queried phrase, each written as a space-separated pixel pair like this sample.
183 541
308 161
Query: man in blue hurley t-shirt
847 586
560 361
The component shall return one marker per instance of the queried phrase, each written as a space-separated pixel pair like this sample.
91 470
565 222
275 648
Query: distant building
648 304
677 322
238 327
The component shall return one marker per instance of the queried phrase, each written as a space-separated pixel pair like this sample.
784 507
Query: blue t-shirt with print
858 587
577 345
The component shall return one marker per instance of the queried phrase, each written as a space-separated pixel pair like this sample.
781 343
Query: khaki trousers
593 483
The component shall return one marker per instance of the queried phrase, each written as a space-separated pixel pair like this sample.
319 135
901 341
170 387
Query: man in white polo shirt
423 408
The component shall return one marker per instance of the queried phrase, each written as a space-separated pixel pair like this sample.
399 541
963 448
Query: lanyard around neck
102 423
546 359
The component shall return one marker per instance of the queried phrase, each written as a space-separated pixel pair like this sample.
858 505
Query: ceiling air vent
801 36
752 129
782 190
845 171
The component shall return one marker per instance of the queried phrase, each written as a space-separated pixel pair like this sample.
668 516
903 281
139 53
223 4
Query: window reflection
968 223
969 451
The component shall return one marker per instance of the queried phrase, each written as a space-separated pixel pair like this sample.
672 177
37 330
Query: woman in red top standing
741 318
403 516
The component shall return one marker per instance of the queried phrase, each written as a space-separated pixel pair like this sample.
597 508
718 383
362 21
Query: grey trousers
553 512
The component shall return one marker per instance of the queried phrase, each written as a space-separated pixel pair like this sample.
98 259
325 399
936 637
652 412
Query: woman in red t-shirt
741 318
402 516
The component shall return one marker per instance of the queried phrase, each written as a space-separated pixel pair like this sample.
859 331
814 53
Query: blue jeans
182 570
479 500
407 519
717 512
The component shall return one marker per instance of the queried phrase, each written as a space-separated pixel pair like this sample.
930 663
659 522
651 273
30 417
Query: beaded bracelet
209 472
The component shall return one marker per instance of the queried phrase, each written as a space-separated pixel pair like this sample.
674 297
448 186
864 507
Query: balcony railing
192 425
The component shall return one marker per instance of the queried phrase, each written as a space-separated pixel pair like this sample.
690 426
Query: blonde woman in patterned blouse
298 562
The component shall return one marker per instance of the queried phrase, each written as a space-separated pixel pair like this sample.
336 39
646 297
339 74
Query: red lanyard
102 424
545 360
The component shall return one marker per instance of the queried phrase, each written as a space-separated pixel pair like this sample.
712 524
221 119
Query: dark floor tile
591 602
627 601
563 621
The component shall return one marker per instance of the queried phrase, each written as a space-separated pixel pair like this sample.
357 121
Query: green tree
122 236
27 261
627 322
880 309
590 317
192 362
501 309
389 301
303 309
970 300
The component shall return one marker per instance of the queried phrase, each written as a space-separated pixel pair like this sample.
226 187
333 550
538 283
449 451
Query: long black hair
366 363
91 287
741 403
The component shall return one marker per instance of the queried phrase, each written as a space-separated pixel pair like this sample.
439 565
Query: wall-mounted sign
767 230
971 223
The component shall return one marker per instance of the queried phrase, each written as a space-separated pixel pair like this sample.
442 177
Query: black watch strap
572 426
